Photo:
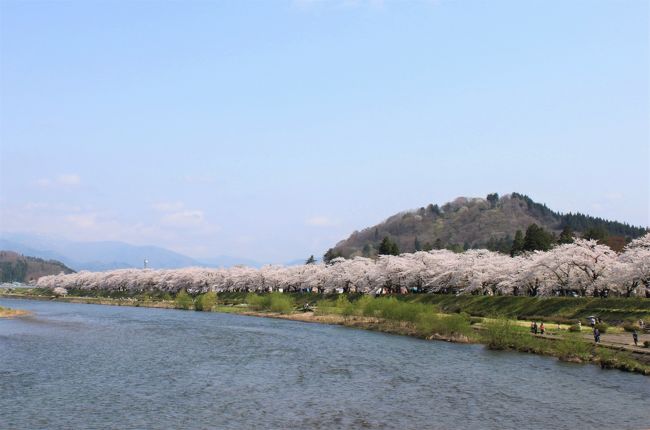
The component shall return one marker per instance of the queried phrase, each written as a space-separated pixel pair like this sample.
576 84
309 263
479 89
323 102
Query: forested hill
477 223
15 267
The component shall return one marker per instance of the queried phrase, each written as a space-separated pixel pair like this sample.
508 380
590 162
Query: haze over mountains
476 223
107 255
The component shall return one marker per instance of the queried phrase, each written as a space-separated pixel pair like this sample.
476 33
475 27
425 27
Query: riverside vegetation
492 321
9 313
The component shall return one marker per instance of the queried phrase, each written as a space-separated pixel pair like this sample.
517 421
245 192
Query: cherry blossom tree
581 267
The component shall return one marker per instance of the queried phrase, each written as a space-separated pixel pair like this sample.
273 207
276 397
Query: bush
500 334
281 303
425 324
206 302
361 304
575 328
630 327
428 323
345 307
572 346
646 343
602 327
257 302
274 302
183 300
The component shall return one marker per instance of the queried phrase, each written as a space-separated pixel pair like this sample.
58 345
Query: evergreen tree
388 247
438 244
537 239
493 199
566 236
455 247
596 233
311 260
417 245
517 244
331 255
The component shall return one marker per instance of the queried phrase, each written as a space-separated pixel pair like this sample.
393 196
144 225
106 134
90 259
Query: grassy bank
488 320
10 313
504 334
555 309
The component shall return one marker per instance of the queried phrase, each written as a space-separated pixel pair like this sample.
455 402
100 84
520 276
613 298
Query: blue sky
273 129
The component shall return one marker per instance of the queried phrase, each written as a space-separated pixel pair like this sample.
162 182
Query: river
78 366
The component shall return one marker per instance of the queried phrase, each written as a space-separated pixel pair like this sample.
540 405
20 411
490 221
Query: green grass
426 318
274 302
565 310
556 309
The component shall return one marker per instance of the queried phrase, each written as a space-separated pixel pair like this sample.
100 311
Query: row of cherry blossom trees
581 268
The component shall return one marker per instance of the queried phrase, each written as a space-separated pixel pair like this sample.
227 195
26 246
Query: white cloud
614 196
200 179
84 221
61 181
68 179
185 218
321 221
168 206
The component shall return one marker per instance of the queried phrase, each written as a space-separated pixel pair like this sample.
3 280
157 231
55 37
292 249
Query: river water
76 366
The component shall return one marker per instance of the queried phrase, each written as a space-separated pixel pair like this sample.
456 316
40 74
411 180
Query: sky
273 129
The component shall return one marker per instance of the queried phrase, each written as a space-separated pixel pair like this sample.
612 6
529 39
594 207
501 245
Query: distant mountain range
477 223
18 268
107 255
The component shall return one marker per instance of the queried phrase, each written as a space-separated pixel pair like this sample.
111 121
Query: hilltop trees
489 222
493 199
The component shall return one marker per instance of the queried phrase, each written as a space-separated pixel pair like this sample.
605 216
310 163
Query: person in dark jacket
596 335
635 337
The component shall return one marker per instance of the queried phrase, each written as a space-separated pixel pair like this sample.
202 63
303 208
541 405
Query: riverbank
409 316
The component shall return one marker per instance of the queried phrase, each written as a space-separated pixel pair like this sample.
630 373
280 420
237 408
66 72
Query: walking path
620 341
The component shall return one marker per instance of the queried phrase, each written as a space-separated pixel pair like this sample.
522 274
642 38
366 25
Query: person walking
596 335
635 337
541 328
534 328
